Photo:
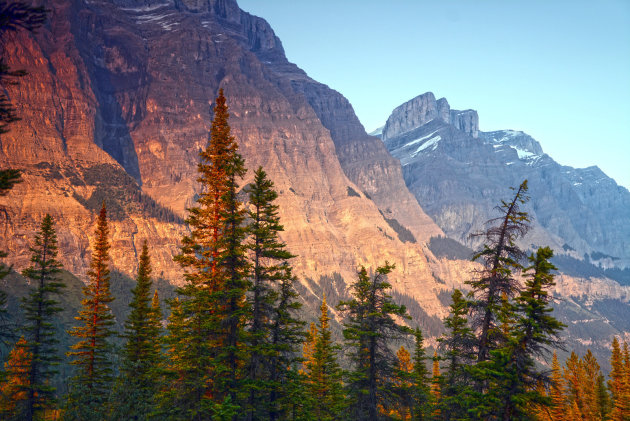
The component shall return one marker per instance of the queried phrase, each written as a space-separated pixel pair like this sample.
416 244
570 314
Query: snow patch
431 143
416 141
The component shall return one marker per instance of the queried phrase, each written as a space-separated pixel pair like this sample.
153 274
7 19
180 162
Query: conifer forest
234 342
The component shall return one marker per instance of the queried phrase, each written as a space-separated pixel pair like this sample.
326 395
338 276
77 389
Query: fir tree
369 328
286 335
496 284
14 389
421 388
213 306
141 356
618 384
324 374
534 329
558 409
458 349
436 386
90 387
269 269
40 308
403 386
572 374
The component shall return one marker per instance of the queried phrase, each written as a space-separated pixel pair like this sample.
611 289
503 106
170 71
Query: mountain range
118 103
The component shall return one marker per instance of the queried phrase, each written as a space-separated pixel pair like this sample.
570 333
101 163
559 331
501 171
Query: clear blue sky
558 70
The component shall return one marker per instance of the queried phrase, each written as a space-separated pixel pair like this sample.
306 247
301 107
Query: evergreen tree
436 386
403 386
213 306
572 373
534 329
496 284
141 354
421 389
286 335
458 349
40 308
558 409
14 388
269 270
177 394
369 328
91 385
618 384
323 374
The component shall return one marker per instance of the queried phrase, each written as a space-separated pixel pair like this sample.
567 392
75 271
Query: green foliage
40 308
141 357
207 343
496 284
369 327
274 331
458 348
323 374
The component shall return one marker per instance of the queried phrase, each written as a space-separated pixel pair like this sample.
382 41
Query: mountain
118 103
459 173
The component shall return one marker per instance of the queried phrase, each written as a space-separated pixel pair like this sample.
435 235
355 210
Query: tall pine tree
137 383
370 327
90 388
323 374
458 347
268 325
496 284
212 306
40 308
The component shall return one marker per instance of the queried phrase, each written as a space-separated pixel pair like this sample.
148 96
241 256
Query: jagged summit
424 108
458 173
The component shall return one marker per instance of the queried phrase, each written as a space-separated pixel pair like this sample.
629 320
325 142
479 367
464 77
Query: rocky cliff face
424 108
458 178
118 103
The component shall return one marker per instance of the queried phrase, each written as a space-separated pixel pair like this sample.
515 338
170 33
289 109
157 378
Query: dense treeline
234 346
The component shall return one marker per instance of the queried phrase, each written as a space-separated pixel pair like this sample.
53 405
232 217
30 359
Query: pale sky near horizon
557 70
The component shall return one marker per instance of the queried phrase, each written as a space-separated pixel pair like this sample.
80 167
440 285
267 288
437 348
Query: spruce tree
496 284
436 386
323 374
403 386
286 335
40 308
534 329
268 326
558 409
618 384
421 388
15 386
573 375
370 326
90 387
458 348
141 354
213 306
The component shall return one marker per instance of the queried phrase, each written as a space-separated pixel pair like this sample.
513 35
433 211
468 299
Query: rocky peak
424 108
467 121
515 139
413 114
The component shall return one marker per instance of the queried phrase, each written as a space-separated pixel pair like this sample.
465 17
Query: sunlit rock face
118 103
